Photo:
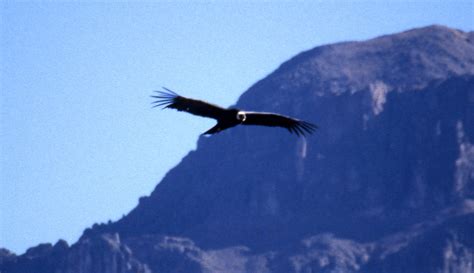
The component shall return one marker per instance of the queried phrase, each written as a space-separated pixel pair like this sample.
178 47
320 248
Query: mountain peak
435 29
407 60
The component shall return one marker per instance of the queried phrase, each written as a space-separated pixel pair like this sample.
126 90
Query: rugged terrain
385 185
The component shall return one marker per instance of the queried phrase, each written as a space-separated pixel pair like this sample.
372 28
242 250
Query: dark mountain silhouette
385 185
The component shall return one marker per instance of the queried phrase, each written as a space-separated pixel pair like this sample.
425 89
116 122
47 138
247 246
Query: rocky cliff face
385 185
104 253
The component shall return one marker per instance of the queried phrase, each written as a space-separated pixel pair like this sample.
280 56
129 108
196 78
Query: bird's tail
214 130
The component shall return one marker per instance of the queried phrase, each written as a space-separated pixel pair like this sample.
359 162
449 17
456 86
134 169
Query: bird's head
241 117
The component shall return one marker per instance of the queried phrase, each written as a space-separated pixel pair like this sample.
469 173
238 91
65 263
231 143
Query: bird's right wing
170 99
299 127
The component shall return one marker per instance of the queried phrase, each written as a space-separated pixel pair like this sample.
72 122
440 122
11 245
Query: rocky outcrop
104 253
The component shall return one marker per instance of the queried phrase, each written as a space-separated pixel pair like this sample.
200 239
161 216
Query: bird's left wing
296 126
170 99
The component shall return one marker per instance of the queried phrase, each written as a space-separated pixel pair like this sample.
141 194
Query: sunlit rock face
385 185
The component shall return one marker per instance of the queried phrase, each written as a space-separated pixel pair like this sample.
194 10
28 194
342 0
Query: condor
227 118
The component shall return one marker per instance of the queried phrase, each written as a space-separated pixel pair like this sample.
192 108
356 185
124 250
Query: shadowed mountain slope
393 113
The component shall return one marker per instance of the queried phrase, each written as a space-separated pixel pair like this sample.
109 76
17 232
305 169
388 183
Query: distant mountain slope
385 185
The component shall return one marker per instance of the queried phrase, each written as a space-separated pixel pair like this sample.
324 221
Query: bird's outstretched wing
296 126
170 99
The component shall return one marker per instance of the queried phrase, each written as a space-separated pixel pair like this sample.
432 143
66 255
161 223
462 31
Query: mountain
385 185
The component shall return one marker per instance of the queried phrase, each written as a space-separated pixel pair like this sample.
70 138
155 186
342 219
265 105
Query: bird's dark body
227 118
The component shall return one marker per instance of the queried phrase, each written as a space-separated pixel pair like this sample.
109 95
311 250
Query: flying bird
227 118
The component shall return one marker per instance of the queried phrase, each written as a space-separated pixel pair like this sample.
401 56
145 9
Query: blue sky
79 142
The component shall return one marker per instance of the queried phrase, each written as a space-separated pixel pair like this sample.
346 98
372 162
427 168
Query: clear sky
79 142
